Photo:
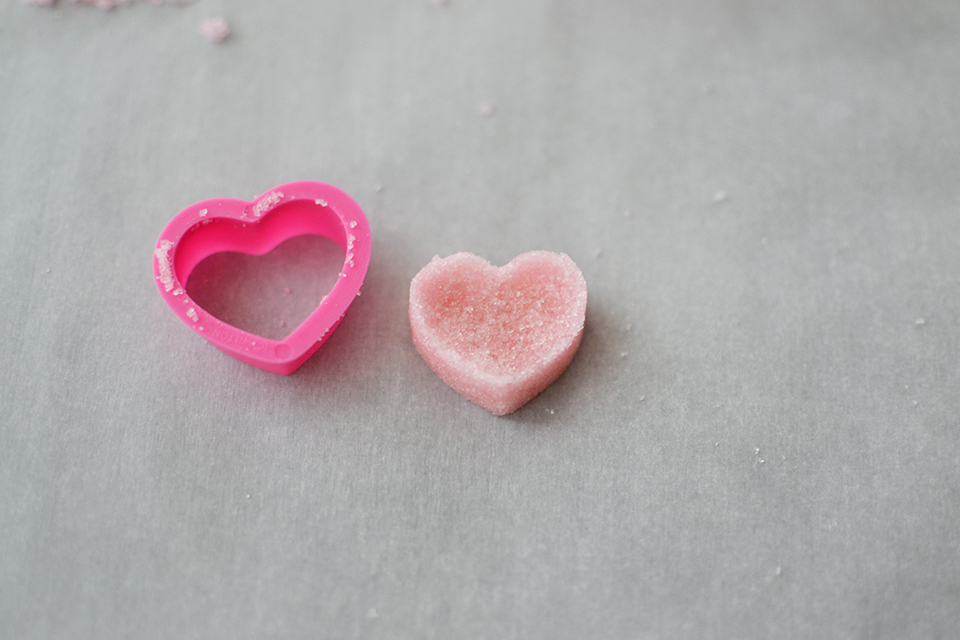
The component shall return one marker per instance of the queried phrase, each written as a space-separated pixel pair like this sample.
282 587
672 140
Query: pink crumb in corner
102 4
498 335
99 4
215 29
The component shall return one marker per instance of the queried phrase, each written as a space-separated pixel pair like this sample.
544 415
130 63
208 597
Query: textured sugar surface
505 325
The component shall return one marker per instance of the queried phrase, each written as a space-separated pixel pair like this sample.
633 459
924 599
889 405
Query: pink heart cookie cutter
227 224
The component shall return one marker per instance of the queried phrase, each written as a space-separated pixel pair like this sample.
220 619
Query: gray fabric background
758 438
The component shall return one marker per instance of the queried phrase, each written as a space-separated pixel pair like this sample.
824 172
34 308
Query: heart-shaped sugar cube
498 335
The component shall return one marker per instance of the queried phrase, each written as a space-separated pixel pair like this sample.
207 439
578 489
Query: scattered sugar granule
203 212
192 313
102 4
320 202
378 187
353 224
720 196
163 262
921 321
282 323
487 109
99 4
215 29
268 202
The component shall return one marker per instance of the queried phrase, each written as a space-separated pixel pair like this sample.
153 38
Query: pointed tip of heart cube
498 336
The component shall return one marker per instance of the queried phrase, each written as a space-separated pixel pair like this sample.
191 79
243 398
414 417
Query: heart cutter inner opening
272 294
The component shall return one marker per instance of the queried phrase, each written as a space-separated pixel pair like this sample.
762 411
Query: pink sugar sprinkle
102 4
99 4
215 29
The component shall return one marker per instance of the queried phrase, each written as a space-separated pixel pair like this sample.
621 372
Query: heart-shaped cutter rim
255 228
